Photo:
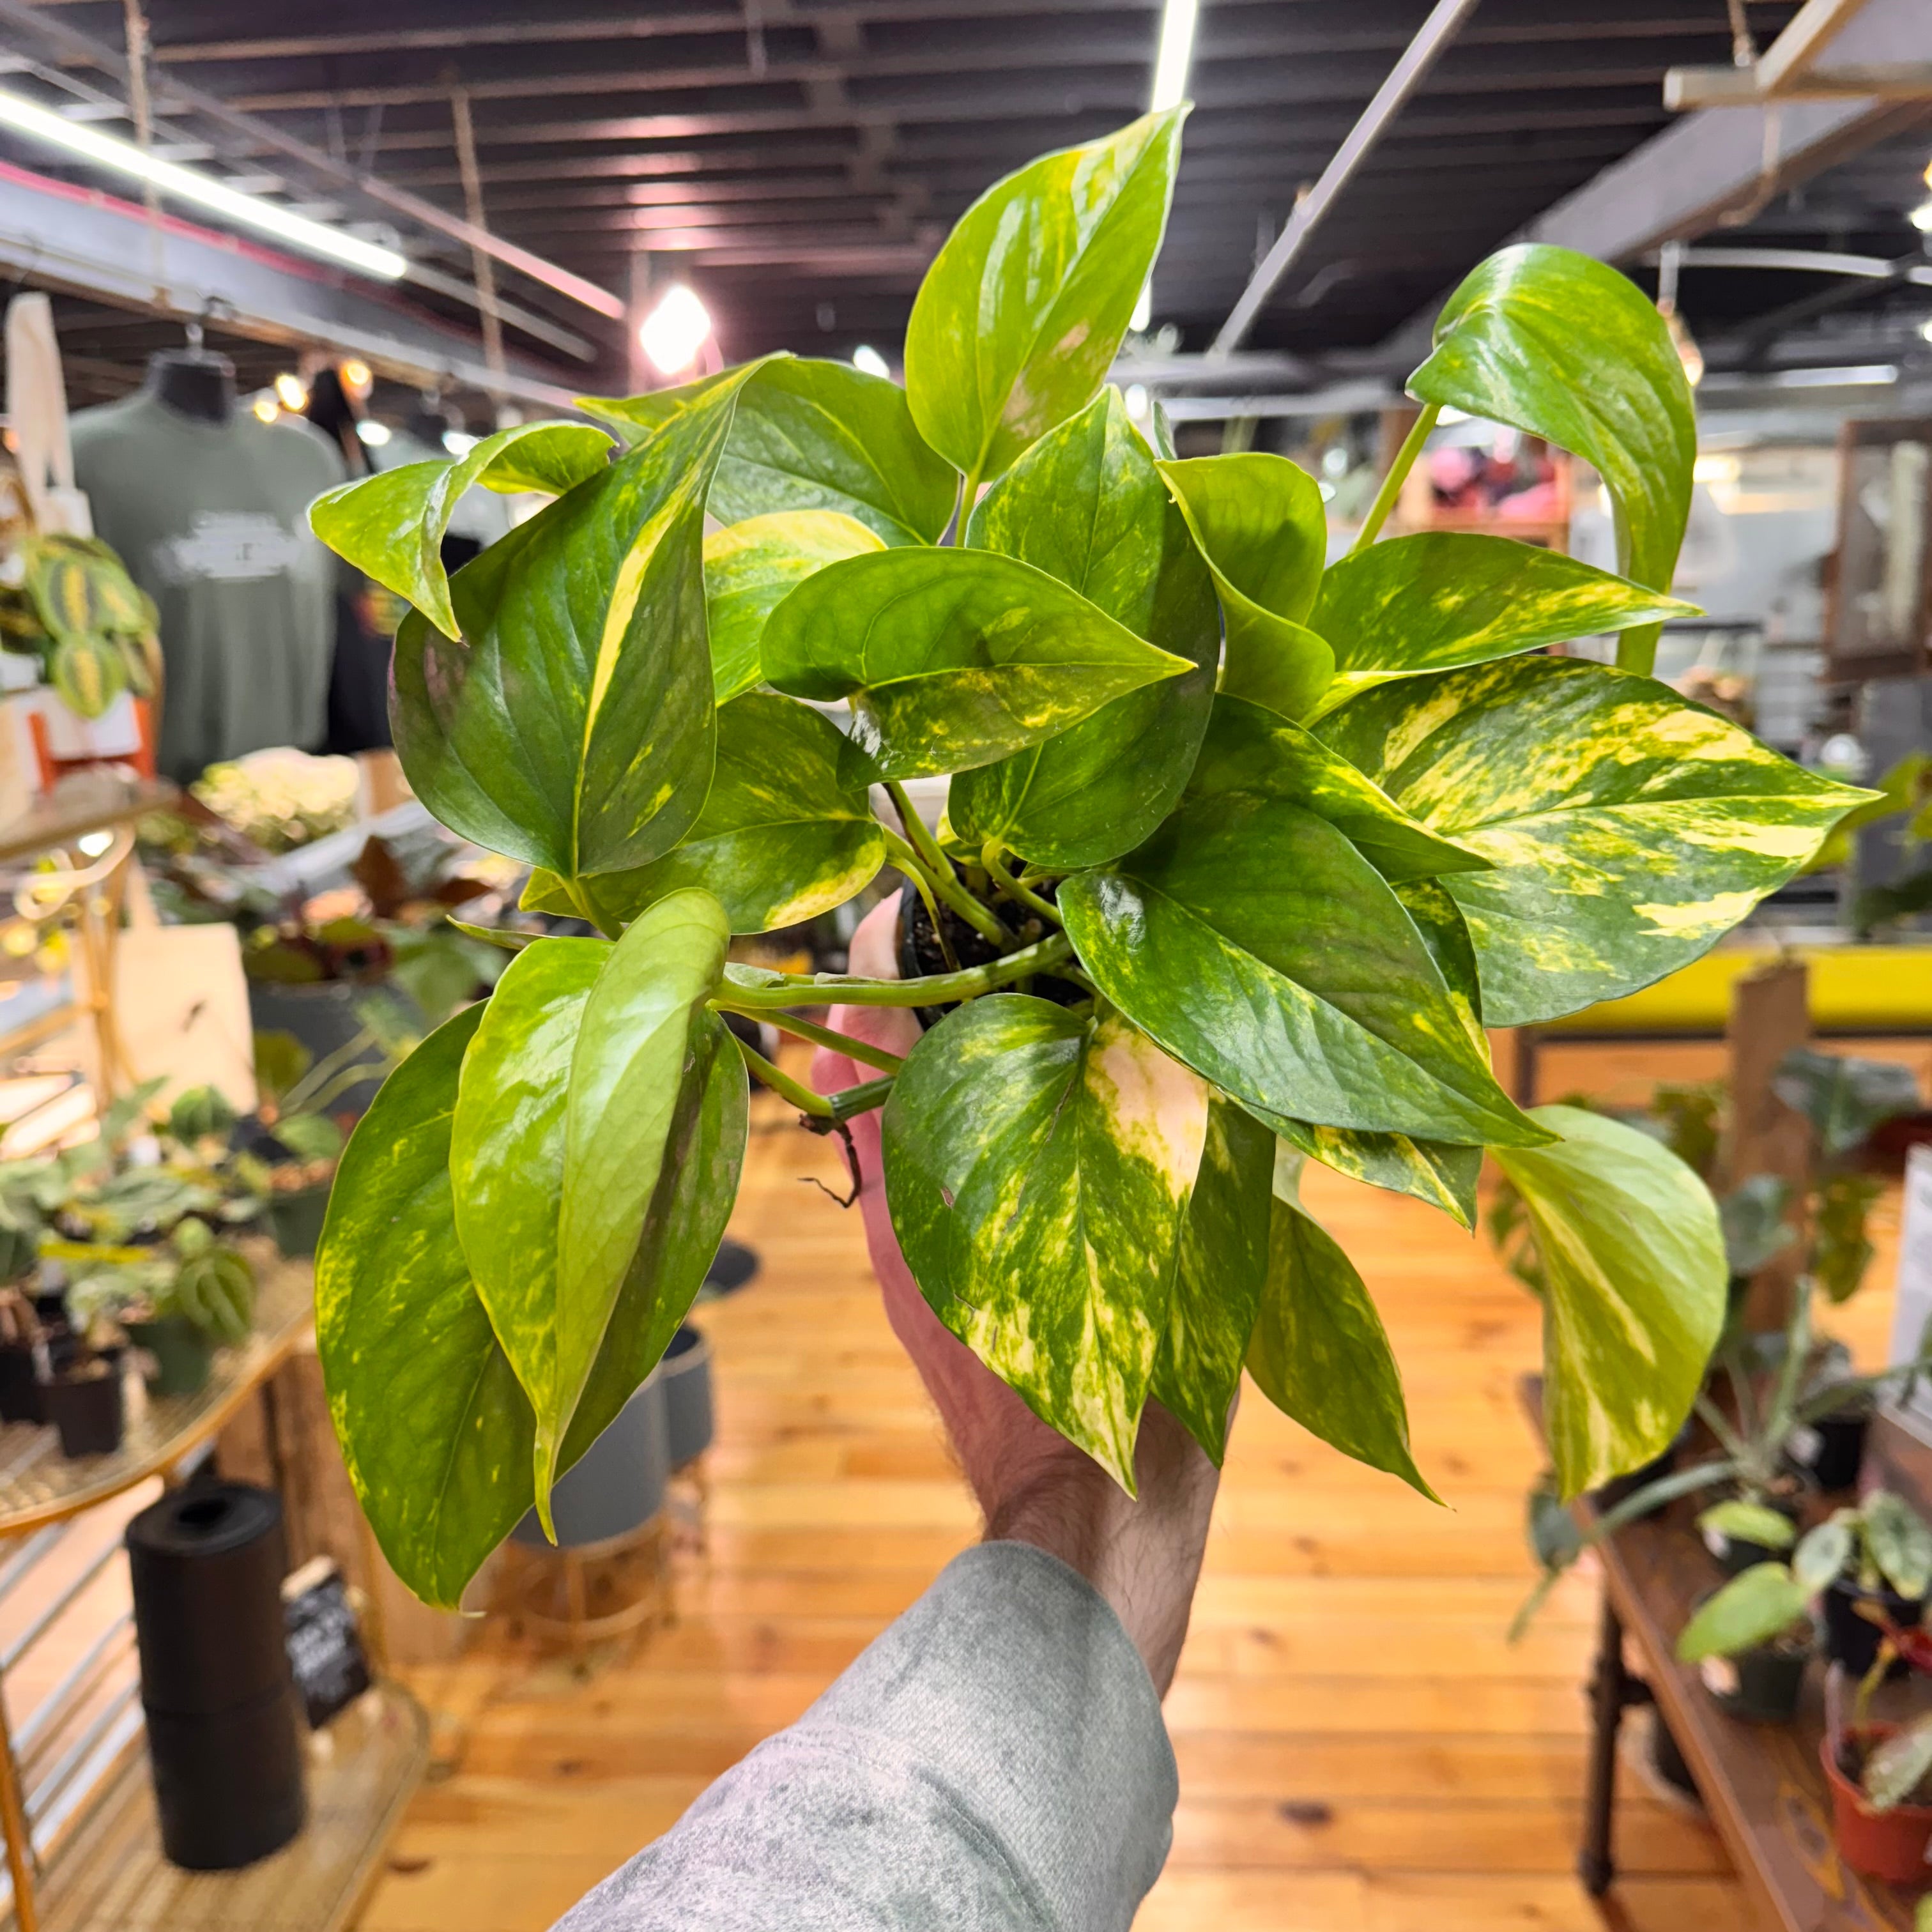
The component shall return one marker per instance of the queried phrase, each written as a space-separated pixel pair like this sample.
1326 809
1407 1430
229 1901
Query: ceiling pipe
75 45
1404 78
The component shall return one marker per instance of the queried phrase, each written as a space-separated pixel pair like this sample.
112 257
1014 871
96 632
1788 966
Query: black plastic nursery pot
20 1396
1735 1555
181 1355
1832 1450
294 1218
1853 1640
87 1410
1761 1686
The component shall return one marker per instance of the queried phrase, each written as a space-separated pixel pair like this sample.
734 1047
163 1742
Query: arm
996 1759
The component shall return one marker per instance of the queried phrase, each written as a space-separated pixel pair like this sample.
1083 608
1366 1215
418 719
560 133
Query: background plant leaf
750 569
1319 1352
1219 1276
1038 1167
1762 1603
951 658
1633 1263
1567 348
1900 1543
1843 1097
1262 525
1018 318
1086 506
1628 830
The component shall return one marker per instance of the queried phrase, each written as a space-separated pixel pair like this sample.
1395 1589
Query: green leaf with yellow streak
1251 752
1261 524
1628 829
1444 598
1634 1257
1038 1167
1219 1276
1017 318
951 658
781 839
1319 1352
1567 348
1086 505
391 526
573 729
1253 941
749 570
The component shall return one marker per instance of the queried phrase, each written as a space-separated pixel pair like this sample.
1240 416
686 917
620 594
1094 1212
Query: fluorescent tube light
1856 375
109 151
1177 52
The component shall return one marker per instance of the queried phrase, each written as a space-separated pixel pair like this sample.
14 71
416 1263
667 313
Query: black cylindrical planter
87 1410
1853 1640
20 1399
1838 1447
224 1726
1765 1686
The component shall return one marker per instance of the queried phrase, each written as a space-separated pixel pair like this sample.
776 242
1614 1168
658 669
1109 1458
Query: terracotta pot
1889 1845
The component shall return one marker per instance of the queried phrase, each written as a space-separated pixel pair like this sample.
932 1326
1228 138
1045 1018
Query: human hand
1032 1485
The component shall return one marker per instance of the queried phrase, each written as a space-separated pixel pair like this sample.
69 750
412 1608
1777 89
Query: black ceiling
799 162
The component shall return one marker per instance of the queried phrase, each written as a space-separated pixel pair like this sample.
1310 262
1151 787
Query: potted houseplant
1751 1641
1878 1772
1233 899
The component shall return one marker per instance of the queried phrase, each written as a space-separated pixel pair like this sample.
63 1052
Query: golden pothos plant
1242 853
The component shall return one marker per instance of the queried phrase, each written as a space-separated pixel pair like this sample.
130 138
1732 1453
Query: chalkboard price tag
325 1653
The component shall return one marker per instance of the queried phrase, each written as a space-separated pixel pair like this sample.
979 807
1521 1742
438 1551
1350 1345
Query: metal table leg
1610 1692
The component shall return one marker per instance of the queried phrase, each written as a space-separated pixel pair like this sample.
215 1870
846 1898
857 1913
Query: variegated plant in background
1278 841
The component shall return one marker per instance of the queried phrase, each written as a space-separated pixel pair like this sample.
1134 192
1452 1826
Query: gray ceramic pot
617 1485
685 1372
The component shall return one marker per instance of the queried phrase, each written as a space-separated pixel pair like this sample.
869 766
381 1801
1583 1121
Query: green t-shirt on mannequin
209 512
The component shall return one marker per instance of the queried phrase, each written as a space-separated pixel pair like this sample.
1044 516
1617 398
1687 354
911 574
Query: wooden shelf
92 801
39 1485
110 1876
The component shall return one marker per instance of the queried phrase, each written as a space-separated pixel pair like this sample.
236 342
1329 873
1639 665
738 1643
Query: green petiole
748 990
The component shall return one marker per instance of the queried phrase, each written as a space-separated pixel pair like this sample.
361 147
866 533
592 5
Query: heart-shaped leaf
780 838
1569 349
1253 941
1900 1543
574 728
1038 1166
1634 1261
391 526
1319 1351
1251 752
625 1074
812 436
1017 318
951 658
1261 524
1218 1278
1762 1602
1897 1765
1627 829
1086 505
1443 598
749 570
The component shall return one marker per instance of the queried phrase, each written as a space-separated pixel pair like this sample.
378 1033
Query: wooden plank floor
1360 1750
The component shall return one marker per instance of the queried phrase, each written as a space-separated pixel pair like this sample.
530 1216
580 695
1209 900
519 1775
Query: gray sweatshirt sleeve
994 1762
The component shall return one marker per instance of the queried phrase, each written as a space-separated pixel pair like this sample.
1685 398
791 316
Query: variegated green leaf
1038 1166
1434 1171
1443 598
1568 348
1218 1279
574 728
1762 1603
1319 1352
1021 311
751 568
1086 506
1634 1257
1256 944
391 526
780 838
1627 829
1261 524
951 658
626 1068
1251 752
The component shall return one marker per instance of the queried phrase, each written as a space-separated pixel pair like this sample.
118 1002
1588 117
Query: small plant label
325 1654
1717 1543
1720 1676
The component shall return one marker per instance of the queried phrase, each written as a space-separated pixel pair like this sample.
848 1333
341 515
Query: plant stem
1404 461
939 873
861 1100
989 857
303 1093
840 1106
907 861
774 990
860 1050
969 495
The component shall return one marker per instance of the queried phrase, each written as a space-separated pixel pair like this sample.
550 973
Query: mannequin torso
193 383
